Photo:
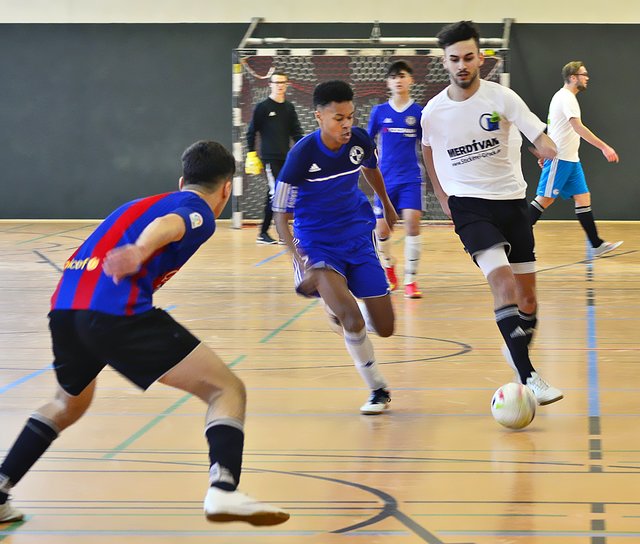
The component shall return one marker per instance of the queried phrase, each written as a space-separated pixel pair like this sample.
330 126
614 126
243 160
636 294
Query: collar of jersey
325 149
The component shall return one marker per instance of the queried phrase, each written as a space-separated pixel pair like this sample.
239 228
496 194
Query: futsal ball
513 405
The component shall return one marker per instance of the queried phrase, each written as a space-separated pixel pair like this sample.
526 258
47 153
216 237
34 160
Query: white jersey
564 105
470 141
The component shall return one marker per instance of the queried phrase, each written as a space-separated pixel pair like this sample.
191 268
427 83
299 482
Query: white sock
367 317
384 249
360 348
411 258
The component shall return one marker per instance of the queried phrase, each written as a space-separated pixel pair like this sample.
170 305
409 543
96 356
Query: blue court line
592 354
135 436
263 261
26 378
288 322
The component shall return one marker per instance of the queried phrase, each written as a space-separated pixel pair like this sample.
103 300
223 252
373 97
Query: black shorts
141 347
482 224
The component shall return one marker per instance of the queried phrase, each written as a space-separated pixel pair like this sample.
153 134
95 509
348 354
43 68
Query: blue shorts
561 178
406 196
355 259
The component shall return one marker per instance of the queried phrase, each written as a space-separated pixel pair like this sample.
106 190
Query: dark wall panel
92 115
609 105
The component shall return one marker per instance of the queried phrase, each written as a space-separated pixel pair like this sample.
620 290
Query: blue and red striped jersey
84 285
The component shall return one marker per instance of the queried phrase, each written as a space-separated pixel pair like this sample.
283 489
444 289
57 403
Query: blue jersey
400 133
320 187
84 285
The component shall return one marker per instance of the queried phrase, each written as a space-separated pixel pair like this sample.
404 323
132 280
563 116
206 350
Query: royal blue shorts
406 196
355 259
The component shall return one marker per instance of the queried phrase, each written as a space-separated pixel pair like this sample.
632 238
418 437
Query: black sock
535 211
226 443
529 323
585 216
516 338
32 442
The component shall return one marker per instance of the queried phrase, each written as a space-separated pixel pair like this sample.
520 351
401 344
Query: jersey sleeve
254 127
520 115
570 107
292 171
199 222
370 149
284 198
374 127
419 125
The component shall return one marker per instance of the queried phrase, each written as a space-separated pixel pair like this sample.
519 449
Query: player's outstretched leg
40 430
203 374
333 290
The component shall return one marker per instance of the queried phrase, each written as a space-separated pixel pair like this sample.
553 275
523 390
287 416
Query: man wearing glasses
563 175
276 120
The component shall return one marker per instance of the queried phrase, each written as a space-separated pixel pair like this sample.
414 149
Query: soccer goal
362 66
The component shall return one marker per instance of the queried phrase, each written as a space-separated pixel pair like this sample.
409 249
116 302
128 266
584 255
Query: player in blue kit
397 126
102 313
333 248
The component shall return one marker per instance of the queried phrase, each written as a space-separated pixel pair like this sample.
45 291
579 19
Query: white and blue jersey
333 220
400 133
320 187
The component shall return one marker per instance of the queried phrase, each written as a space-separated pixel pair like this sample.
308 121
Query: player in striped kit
102 313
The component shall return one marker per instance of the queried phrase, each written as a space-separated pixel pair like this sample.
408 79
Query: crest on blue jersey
356 154
410 120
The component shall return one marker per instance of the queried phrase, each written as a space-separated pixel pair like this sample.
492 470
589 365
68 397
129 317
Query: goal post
363 68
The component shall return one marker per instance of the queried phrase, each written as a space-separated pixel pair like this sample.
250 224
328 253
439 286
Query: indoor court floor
436 468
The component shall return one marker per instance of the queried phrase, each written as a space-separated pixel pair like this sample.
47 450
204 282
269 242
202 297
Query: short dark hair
207 164
571 69
458 32
399 66
334 90
281 74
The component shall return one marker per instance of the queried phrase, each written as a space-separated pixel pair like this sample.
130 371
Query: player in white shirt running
465 141
563 176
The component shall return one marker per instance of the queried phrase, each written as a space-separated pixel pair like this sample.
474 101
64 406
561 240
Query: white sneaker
8 513
544 393
606 247
377 403
220 505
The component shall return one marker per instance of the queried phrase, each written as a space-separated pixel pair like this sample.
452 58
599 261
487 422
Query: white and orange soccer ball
513 405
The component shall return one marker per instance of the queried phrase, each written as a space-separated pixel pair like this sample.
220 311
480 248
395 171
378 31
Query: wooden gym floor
435 469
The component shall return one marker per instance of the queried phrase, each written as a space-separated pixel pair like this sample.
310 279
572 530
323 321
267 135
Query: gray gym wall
92 115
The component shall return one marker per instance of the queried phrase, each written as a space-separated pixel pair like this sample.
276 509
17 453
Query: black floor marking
462 350
48 261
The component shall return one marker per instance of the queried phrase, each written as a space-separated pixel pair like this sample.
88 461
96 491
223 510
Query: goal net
363 69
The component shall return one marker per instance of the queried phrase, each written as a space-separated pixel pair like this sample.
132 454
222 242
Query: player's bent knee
353 323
